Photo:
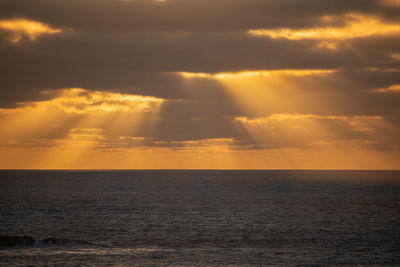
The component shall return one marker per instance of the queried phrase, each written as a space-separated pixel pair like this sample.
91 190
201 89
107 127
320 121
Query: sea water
201 218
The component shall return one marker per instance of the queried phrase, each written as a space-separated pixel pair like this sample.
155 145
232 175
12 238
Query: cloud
145 63
396 56
77 113
255 74
78 100
327 36
309 130
392 3
191 83
395 88
182 15
23 27
383 69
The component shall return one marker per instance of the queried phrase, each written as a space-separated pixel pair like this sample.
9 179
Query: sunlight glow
262 92
314 132
75 123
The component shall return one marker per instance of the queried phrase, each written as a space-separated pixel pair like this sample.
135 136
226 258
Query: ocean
199 218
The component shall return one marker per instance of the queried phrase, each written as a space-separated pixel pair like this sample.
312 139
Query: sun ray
75 122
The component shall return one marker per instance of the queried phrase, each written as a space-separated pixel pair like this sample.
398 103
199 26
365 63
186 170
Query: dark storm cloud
142 63
184 15
125 45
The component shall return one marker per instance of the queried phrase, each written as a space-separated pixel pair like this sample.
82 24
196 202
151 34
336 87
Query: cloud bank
186 83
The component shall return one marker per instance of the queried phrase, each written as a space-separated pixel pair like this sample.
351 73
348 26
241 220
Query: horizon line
194 169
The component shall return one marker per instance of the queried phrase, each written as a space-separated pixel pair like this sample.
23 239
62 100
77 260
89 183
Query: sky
200 84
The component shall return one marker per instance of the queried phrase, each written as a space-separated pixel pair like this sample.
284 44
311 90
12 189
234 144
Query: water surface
118 218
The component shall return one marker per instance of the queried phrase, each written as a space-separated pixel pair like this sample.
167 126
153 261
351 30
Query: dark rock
63 241
11 241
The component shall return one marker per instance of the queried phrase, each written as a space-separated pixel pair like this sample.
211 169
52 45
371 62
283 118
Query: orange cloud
75 123
393 3
300 131
255 74
355 26
208 143
307 140
395 88
78 115
375 69
396 56
81 101
357 123
24 27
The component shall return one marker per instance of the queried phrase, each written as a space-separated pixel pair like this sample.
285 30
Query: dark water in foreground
125 218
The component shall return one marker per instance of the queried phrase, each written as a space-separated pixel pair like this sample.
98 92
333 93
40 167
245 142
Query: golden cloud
78 100
349 140
395 56
375 69
395 88
395 3
24 27
256 74
355 26
213 143
357 123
